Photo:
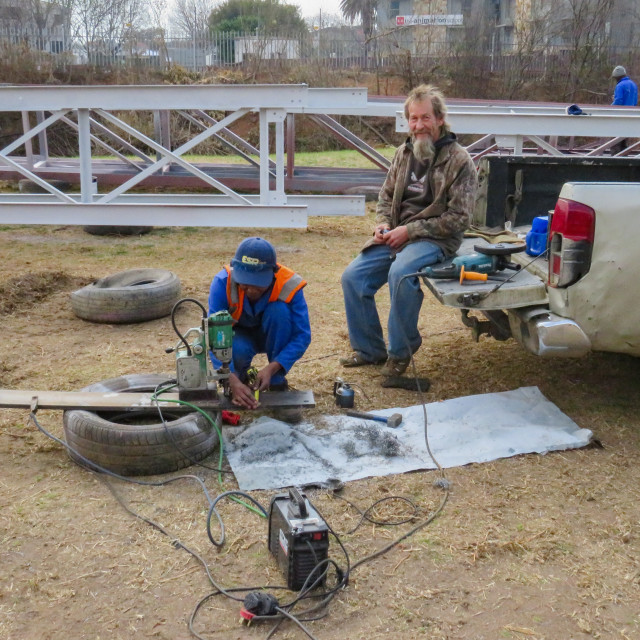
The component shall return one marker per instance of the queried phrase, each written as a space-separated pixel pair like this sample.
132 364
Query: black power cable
315 579
317 576
103 474
173 319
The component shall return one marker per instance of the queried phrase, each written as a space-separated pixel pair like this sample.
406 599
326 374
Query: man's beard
423 149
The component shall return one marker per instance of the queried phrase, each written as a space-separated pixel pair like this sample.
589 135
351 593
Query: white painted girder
540 124
271 101
29 211
152 97
316 205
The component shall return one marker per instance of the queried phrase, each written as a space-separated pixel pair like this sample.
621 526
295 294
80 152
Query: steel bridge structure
92 115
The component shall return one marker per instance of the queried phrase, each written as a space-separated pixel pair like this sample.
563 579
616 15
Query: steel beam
30 211
315 205
151 97
540 123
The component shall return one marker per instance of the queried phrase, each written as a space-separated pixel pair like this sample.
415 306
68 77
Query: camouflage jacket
453 182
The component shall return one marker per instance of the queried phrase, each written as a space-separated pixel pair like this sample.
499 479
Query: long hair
435 96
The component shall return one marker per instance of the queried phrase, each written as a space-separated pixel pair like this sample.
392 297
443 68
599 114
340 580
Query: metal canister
344 395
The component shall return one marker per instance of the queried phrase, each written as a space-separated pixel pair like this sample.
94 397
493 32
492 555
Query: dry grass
528 547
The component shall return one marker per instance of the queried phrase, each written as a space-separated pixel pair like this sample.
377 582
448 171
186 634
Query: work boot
395 367
358 360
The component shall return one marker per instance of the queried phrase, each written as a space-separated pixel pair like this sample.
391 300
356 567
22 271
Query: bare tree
191 17
36 21
40 15
156 10
102 27
533 29
324 20
583 25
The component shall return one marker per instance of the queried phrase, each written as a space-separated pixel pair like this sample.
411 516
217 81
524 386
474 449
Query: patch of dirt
535 547
28 289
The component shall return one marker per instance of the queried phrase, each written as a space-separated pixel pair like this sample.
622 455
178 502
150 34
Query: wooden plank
98 401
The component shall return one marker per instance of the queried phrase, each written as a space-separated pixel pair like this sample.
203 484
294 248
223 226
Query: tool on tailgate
482 265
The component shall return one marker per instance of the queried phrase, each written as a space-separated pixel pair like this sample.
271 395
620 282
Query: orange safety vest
287 284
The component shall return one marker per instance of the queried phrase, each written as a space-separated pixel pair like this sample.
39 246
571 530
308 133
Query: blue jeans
364 277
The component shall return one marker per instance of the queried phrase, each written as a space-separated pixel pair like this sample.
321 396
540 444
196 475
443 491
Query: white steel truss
91 112
273 207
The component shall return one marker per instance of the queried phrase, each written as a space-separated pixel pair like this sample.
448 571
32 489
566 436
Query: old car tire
115 230
135 295
136 442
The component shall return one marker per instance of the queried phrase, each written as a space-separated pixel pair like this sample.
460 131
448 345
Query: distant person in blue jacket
626 92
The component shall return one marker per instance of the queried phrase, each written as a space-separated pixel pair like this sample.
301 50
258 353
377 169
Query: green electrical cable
154 397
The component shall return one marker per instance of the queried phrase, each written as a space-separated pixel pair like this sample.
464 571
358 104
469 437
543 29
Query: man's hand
380 232
264 375
396 237
241 394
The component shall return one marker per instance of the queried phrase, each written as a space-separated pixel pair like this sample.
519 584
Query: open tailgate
523 288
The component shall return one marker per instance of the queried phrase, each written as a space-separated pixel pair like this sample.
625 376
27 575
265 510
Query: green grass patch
347 158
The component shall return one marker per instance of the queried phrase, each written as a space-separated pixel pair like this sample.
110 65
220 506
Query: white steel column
267 195
278 196
28 147
264 156
84 147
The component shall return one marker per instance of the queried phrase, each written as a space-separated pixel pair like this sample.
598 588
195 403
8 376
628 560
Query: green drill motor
488 259
195 375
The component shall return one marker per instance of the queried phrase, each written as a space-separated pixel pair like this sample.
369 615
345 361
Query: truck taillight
570 242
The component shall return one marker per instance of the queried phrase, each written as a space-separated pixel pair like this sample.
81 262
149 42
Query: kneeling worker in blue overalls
266 301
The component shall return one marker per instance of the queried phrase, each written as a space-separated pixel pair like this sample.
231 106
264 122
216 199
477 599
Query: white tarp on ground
269 454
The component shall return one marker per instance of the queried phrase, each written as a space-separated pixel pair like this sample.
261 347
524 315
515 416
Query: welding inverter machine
298 538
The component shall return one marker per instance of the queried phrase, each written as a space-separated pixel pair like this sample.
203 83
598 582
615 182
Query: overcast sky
311 8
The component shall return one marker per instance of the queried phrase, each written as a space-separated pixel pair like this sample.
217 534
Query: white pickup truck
582 295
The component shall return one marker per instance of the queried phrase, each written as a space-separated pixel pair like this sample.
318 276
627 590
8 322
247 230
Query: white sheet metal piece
268 454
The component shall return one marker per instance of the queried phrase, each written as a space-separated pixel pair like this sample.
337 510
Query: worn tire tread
116 300
138 449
